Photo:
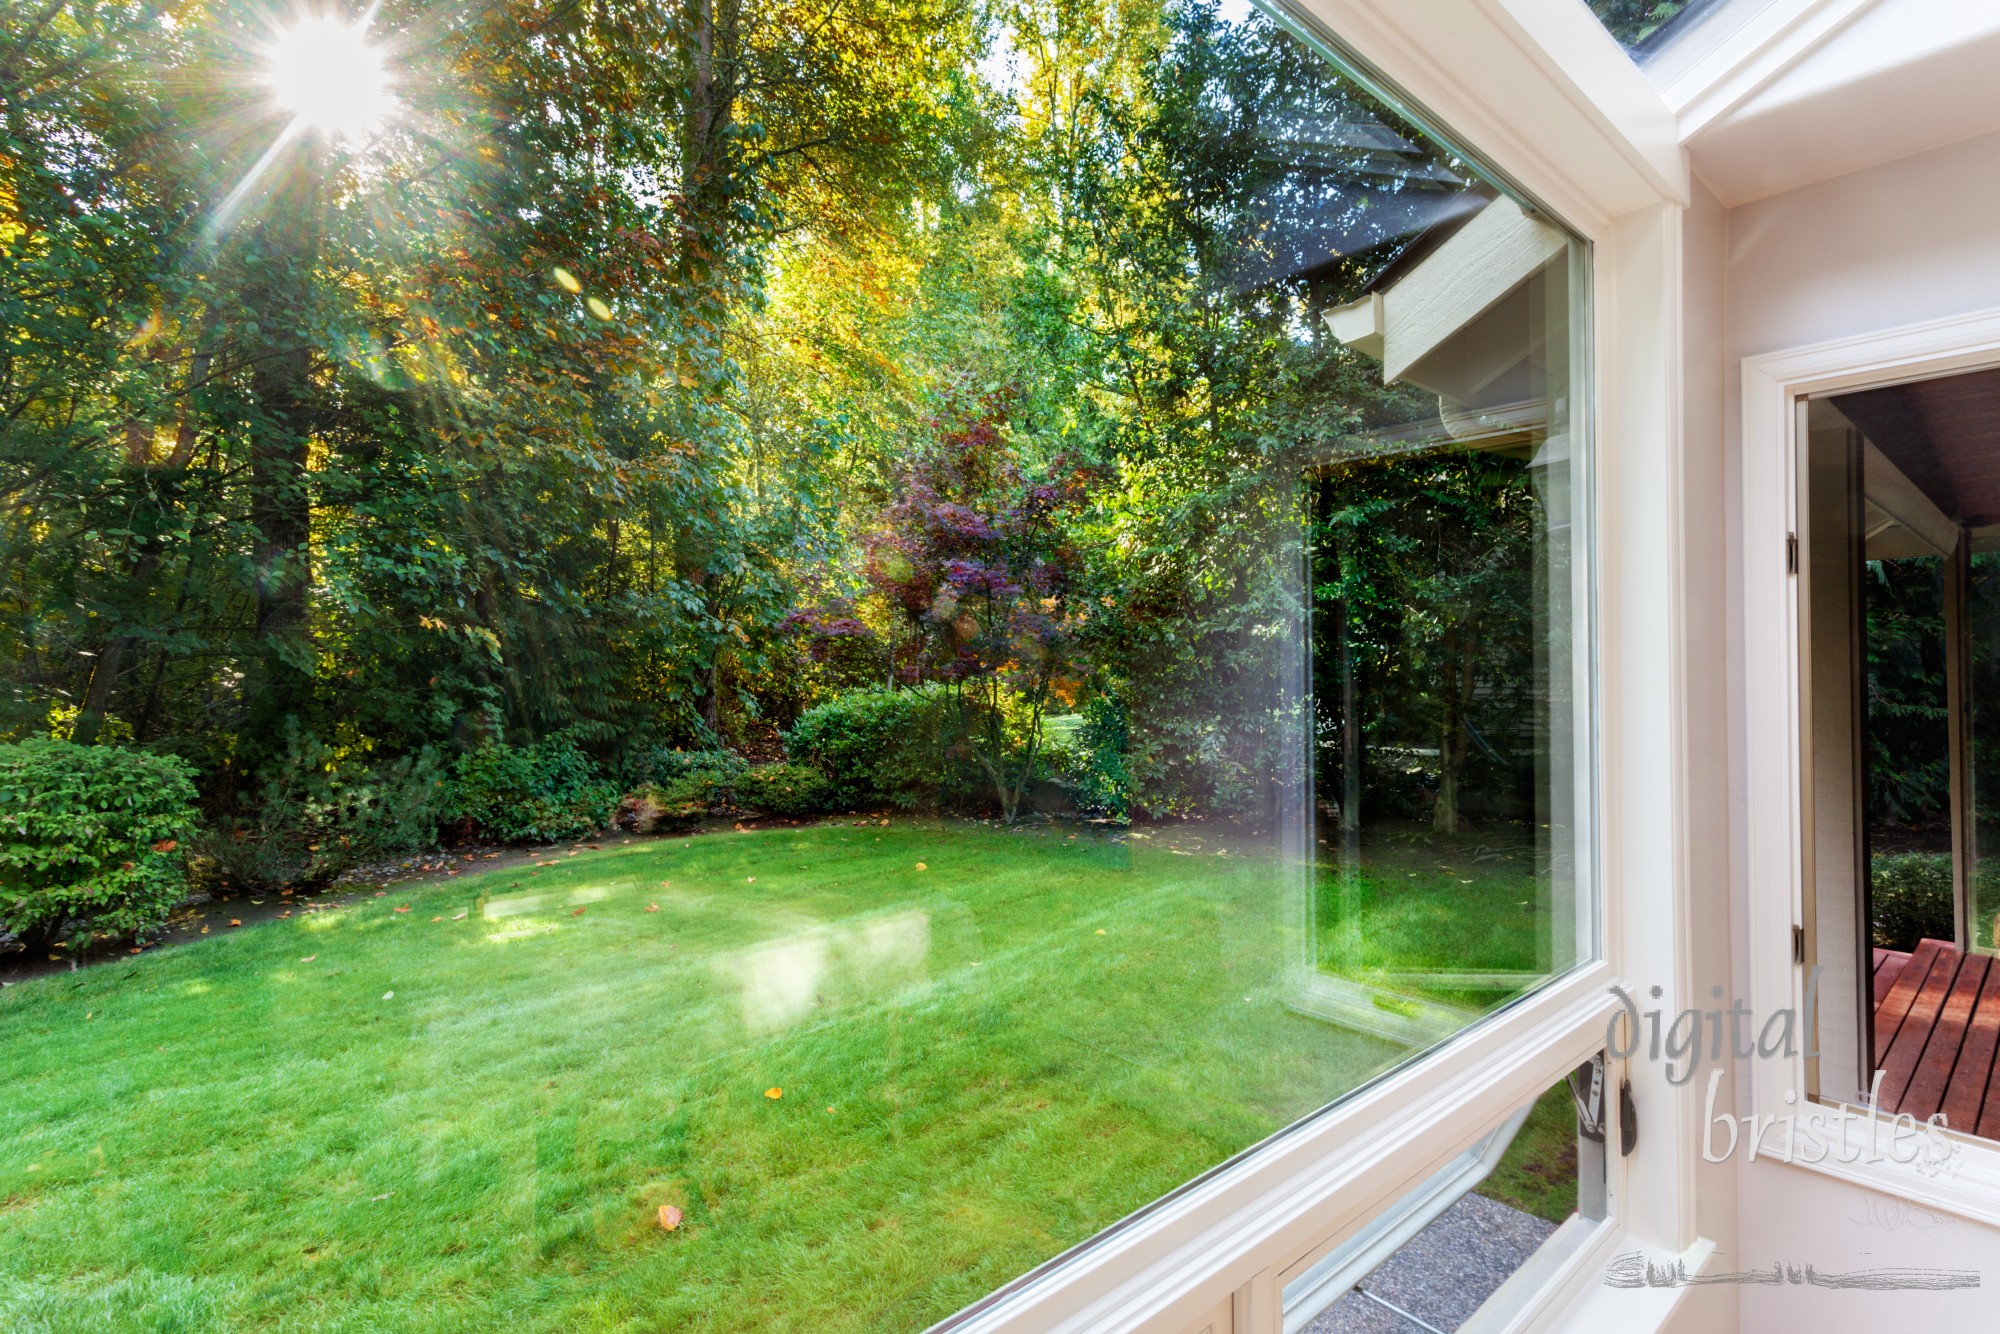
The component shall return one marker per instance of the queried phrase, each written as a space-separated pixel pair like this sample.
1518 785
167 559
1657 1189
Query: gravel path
1442 1274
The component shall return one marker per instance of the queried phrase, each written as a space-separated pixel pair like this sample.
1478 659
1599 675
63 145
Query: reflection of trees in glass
1425 595
1634 21
1908 733
1983 627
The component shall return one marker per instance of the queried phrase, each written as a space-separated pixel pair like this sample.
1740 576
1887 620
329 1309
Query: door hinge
1798 944
1791 553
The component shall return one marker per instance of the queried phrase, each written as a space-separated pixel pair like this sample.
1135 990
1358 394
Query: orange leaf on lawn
774 1093
236 921
670 1218
922 867
404 908
652 907
577 913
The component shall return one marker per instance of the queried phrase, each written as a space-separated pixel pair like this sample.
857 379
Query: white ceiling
1876 81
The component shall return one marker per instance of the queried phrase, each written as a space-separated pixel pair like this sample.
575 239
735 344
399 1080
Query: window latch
1798 945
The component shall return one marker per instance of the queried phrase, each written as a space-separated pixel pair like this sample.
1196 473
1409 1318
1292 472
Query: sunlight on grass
1025 1041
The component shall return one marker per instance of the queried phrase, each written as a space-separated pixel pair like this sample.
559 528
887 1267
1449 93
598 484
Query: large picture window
752 666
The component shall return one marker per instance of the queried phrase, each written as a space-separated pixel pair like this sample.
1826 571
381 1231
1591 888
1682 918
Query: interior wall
1900 243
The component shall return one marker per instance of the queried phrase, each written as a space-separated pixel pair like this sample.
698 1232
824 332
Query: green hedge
877 747
92 838
790 790
320 812
1911 898
542 793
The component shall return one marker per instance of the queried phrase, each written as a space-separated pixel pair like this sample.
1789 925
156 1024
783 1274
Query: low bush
531 794
320 812
1093 761
1910 896
92 838
661 765
878 747
680 804
789 790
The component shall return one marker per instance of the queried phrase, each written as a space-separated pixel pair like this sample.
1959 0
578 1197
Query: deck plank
1965 1099
1889 1015
1928 1086
1889 965
1899 1067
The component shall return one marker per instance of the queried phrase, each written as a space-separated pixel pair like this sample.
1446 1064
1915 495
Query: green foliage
92 838
1633 21
784 789
1096 761
679 804
320 812
541 793
1910 898
877 747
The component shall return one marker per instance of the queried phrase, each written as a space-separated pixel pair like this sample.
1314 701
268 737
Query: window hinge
1791 553
1798 944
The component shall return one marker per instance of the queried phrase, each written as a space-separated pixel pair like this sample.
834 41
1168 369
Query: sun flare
328 76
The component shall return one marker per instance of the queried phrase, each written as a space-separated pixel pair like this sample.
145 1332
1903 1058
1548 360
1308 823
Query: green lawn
365 1119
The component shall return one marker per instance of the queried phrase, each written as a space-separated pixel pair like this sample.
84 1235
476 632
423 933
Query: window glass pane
1643 27
746 658
1439 1254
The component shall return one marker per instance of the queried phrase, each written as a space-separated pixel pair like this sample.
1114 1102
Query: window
767 664
1645 26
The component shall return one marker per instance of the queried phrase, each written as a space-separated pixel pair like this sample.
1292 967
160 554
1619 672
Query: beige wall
1909 241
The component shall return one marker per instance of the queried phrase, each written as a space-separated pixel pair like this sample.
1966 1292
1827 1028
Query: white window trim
1524 81
1772 385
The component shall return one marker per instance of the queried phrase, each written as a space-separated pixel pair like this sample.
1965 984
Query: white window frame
1548 99
1773 384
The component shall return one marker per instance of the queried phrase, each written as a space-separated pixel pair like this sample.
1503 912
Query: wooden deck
1937 1026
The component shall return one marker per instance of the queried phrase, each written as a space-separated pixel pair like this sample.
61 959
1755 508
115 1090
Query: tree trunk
280 683
1454 740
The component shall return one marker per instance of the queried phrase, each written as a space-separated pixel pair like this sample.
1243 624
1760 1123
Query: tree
973 560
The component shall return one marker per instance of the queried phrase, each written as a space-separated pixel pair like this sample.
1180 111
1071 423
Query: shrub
92 838
531 794
320 812
1093 761
681 804
661 765
876 746
1910 896
784 789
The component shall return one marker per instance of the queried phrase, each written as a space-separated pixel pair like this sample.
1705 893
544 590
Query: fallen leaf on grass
753 879
388 995
670 1218
460 917
922 867
404 908
774 1093
236 921
577 913
652 907
383 1196
437 919
204 931
309 958
1100 930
